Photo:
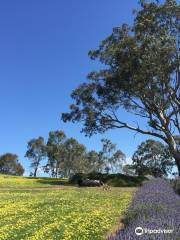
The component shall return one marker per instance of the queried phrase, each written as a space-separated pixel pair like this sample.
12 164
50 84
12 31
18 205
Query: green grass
7 181
67 213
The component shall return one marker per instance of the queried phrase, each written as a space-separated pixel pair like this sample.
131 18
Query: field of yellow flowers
13 182
67 213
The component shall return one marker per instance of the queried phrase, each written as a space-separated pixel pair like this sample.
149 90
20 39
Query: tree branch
115 122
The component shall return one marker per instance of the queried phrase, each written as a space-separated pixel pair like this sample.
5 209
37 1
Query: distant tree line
60 156
66 156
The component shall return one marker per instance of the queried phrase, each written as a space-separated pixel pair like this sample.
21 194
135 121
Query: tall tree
153 158
94 162
36 152
55 151
112 159
75 157
9 164
141 74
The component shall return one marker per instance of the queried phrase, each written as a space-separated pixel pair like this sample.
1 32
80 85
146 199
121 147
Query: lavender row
154 214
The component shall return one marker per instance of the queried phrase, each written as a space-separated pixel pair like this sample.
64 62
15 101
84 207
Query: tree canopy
36 152
64 157
111 157
55 151
141 74
9 164
152 157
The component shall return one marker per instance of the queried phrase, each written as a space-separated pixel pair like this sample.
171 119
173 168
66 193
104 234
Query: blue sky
44 48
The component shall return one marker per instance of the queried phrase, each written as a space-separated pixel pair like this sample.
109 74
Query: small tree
36 152
141 74
153 158
9 164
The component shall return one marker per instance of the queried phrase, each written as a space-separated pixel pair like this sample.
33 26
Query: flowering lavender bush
156 210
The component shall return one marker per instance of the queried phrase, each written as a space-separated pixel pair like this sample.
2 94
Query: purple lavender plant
156 210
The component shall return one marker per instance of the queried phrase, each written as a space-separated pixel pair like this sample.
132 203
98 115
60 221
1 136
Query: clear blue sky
43 57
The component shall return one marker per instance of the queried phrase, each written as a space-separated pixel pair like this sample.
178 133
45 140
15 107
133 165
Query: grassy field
35 209
13 182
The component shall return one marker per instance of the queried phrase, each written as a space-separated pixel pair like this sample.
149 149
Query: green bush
114 180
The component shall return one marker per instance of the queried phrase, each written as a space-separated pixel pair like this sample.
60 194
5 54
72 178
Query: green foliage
66 156
111 158
153 158
36 152
94 161
55 152
9 164
75 157
128 170
114 180
140 74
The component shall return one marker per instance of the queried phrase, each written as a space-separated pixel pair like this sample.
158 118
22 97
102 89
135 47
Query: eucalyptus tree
75 160
140 73
36 152
55 151
128 170
9 164
111 158
94 161
152 157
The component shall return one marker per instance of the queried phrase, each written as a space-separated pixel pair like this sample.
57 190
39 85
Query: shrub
155 206
114 180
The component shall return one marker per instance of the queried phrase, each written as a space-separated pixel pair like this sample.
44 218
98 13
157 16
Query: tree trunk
174 150
35 172
56 169
177 160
